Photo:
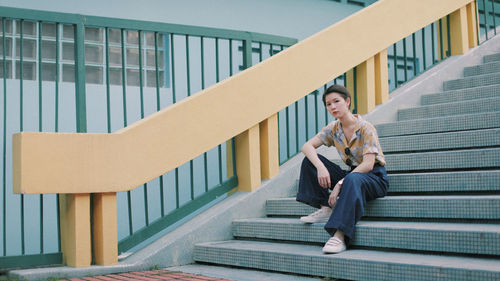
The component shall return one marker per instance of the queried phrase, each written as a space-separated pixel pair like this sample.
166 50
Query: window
95 54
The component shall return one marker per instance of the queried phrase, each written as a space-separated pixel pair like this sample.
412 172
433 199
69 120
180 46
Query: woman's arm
367 164
309 150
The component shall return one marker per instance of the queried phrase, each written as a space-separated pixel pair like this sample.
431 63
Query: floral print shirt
364 140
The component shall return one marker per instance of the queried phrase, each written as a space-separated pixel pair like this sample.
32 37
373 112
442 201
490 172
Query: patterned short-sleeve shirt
364 140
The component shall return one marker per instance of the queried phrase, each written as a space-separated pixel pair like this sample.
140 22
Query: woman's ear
348 101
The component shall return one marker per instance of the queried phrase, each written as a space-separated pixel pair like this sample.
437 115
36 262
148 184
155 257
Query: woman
357 143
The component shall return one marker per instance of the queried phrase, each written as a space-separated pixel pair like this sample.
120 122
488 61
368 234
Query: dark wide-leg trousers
357 189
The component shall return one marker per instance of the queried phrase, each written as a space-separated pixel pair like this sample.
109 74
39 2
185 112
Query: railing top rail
96 21
218 113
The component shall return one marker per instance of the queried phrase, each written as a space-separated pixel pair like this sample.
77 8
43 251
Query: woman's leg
357 189
310 192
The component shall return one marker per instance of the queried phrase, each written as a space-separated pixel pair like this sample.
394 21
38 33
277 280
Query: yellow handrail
83 163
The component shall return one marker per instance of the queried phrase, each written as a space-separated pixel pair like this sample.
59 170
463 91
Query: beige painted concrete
83 163
105 229
75 229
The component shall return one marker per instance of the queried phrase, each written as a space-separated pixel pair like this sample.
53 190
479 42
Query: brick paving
151 275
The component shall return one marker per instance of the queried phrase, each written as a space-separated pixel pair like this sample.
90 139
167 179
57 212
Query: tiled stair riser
424 236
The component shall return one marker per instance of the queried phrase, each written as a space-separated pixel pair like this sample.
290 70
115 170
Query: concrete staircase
441 218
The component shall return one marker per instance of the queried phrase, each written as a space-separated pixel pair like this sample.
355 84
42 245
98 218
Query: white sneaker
334 246
321 215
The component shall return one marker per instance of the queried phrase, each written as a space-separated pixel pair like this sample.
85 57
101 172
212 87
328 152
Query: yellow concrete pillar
248 159
105 229
442 34
269 154
472 24
365 86
459 36
381 77
75 229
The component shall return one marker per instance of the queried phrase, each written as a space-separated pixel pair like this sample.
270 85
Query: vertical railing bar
405 57
174 100
188 80
494 17
395 59
260 51
21 66
441 39
217 79
414 55
324 108
205 156
40 76
485 20
287 120
141 94
423 48
433 27
124 87
306 105
158 107
297 126
172 60
141 90
4 144
81 107
316 128
231 58
40 108
57 130
476 11
233 149
448 53
108 98
57 79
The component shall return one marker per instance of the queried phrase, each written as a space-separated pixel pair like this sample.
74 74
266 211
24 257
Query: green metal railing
407 58
73 73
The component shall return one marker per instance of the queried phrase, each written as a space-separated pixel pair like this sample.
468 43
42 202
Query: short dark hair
341 90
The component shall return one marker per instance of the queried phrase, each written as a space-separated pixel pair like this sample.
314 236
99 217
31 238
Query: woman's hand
324 177
332 200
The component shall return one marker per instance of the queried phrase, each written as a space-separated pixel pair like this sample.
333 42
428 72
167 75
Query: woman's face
336 105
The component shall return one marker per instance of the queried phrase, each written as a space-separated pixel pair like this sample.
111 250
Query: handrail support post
269 151
381 78
75 229
365 86
459 35
248 159
105 228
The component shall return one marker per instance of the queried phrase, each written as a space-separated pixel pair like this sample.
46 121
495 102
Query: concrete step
421 236
447 182
352 264
491 67
491 58
470 82
462 95
441 141
443 182
440 124
444 160
427 206
436 161
450 109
